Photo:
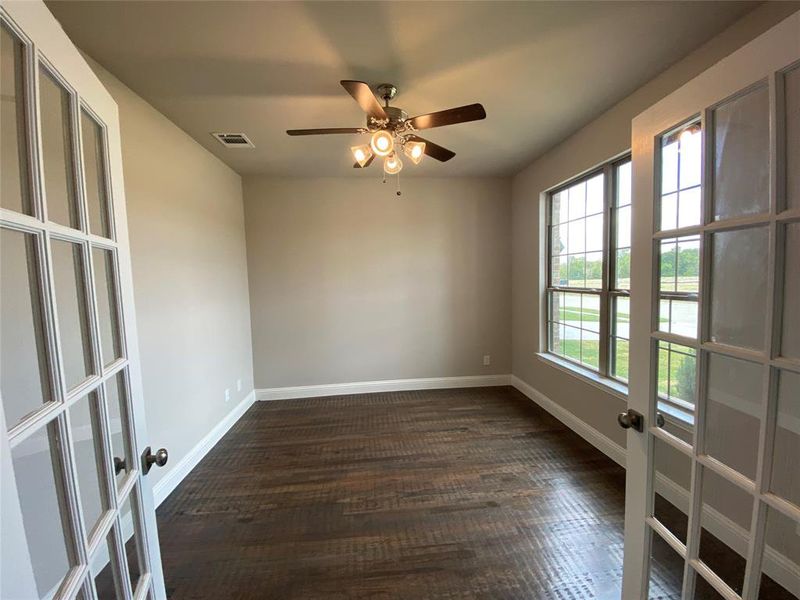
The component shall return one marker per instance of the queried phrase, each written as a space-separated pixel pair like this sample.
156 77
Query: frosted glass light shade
362 154
382 143
415 151
392 164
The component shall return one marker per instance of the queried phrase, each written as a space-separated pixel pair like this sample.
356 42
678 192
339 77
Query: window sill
610 386
615 388
676 417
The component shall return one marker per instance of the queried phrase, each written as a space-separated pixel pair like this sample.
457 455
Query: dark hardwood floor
472 493
445 494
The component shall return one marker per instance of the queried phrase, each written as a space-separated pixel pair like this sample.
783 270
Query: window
679 269
588 279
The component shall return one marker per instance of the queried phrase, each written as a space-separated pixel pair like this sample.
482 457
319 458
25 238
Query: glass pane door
68 368
713 503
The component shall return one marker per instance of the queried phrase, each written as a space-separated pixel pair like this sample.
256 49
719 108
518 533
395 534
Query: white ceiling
541 69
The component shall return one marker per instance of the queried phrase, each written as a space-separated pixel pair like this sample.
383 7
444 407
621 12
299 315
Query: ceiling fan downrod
387 91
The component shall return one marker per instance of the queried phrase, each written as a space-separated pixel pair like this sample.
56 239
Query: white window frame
600 377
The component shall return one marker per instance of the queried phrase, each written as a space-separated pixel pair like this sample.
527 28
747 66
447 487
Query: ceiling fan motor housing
395 114
387 91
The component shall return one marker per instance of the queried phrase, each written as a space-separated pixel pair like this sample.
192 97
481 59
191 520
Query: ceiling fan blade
451 116
362 94
366 164
434 150
325 131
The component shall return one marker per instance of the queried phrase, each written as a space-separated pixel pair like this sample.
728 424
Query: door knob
631 418
149 459
119 465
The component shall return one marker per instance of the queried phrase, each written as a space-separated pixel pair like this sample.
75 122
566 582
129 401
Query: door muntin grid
751 480
84 540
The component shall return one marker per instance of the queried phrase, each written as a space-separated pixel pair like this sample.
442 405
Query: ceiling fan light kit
382 142
414 151
391 130
363 154
392 165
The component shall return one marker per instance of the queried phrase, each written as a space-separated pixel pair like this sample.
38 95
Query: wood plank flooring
447 494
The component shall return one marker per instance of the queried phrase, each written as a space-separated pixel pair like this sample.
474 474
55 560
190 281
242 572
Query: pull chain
399 193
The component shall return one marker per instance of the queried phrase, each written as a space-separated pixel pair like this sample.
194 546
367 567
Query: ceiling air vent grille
233 140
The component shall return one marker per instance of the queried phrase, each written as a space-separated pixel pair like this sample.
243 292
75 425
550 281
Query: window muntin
15 193
679 276
620 272
681 166
576 234
679 268
677 367
574 325
588 236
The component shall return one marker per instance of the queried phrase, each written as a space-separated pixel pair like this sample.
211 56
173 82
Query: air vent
233 140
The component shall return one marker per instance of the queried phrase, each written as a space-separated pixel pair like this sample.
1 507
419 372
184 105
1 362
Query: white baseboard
189 461
599 440
780 568
387 385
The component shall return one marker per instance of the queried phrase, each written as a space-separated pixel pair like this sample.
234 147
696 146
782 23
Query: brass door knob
149 459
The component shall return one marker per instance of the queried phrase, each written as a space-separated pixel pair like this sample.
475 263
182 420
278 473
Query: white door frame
47 42
759 60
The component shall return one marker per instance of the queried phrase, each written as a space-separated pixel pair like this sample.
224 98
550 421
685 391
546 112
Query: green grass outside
592 316
572 314
679 377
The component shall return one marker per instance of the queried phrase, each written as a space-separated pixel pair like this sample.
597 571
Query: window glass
792 102
581 219
681 168
73 311
677 366
106 296
790 336
94 170
56 134
574 325
679 283
622 227
24 383
37 472
741 137
739 287
14 151
733 399
620 337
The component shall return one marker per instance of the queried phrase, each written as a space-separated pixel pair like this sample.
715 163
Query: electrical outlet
238 385
487 360
227 394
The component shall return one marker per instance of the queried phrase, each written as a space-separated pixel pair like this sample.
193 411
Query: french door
713 480
78 518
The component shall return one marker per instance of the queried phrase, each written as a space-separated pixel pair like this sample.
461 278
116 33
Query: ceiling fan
392 131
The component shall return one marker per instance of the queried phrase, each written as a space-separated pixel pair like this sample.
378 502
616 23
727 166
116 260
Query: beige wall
603 138
349 282
186 223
